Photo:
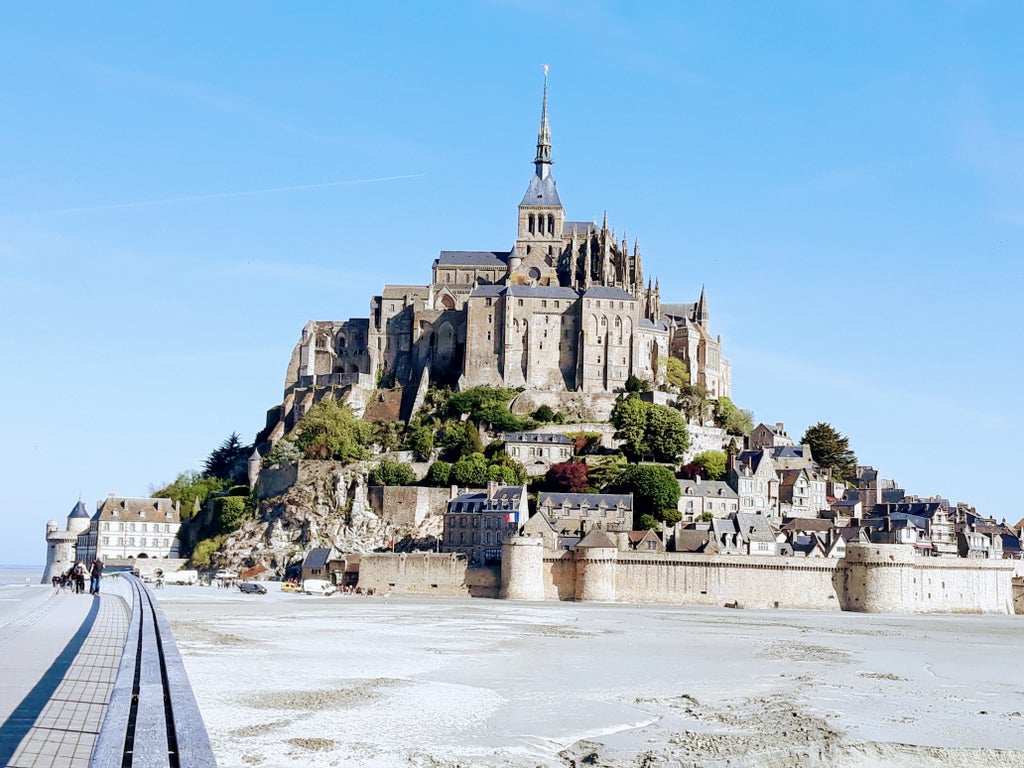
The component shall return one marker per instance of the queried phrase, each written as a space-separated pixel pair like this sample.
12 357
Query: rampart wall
889 578
752 582
872 579
415 573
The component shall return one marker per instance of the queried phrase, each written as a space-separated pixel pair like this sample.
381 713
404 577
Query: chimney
492 488
696 479
454 492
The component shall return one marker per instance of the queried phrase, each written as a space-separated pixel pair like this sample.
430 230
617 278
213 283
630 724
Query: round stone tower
78 519
595 567
878 578
253 467
522 569
61 545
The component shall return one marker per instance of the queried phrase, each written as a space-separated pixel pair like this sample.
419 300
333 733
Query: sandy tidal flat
292 680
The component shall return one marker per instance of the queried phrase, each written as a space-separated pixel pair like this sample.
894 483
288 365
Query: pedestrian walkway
60 661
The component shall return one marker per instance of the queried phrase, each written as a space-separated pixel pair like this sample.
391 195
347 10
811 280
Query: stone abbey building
565 310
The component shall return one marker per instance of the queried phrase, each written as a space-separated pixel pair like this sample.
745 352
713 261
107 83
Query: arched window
532 223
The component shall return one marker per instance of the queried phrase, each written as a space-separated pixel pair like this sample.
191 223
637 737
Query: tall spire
543 159
702 309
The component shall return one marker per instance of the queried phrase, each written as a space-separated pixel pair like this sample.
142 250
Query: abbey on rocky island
565 310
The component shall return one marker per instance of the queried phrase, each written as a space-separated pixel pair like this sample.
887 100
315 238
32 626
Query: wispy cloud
210 196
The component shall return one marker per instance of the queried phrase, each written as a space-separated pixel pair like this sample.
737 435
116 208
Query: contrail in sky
212 196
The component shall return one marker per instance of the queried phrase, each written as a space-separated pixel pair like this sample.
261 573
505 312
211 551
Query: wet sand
292 680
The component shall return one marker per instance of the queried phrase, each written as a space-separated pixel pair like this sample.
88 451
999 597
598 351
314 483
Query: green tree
439 474
832 450
203 552
191 490
655 490
331 431
636 384
386 435
230 512
284 451
545 414
228 460
713 464
420 441
649 430
665 435
470 471
604 471
735 421
676 373
509 471
488 404
389 472
629 417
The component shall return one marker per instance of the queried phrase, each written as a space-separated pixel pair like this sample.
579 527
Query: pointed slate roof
596 540
79 510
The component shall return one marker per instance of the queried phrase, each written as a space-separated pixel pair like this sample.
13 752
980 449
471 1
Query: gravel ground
293 680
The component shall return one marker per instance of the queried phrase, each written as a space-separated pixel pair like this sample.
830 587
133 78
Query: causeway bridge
97 682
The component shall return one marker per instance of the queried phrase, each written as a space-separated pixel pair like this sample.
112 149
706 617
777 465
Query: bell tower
541 216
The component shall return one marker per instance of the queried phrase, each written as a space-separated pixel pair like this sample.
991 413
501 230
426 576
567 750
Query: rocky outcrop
325 507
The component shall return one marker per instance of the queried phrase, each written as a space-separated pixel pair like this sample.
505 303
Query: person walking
80 578
97 572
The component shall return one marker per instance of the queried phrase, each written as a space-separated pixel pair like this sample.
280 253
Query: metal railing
152 720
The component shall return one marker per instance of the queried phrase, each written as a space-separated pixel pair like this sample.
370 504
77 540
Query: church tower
541 216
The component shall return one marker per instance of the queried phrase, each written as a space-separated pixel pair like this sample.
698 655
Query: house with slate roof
565 309
765 436
477 523
802 491
537 451
697 497
940 527
753 476
577 513
131 528
315 566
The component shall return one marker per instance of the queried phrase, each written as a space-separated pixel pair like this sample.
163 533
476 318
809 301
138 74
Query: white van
181 577
318 587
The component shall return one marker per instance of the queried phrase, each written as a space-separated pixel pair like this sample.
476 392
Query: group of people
74 579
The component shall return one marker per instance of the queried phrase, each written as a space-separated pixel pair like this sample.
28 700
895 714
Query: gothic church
565 310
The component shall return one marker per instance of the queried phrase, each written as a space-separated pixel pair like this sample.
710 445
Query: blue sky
183 186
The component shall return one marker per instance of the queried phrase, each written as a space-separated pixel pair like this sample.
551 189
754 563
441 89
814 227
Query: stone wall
407 504
706 439
890 578
752 582
588 406
1018 596
275 480
415 573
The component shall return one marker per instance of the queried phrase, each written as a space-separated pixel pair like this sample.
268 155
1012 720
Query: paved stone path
60 658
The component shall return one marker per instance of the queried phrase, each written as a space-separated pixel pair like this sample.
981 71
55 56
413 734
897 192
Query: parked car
290 586
318 587
252 588
224 573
